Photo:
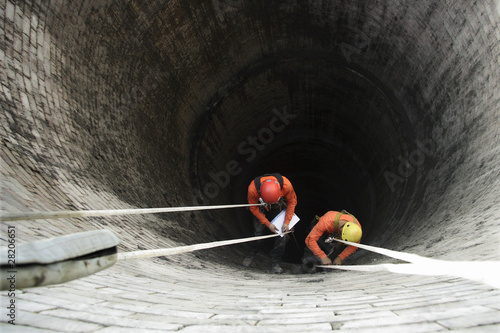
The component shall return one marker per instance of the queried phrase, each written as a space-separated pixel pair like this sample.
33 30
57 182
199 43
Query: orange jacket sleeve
253 198
291 199
324 226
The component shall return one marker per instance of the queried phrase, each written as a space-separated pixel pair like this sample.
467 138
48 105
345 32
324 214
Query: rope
69 266
188 248
85 213
486 272
408 257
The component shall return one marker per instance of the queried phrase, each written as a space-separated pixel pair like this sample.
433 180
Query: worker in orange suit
343 226
277 193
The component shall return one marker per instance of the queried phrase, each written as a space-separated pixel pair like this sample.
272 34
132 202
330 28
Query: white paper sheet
280 218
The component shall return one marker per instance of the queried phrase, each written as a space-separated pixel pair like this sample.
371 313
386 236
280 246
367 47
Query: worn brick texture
136 104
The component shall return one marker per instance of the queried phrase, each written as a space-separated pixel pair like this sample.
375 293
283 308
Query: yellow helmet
351 232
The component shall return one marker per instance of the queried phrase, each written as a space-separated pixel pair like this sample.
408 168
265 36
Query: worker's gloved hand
285 228
273 228
337 261
326 261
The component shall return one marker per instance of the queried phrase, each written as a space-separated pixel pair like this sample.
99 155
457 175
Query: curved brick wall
387 110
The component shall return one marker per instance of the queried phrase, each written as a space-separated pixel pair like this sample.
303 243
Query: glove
337 261
273 229
326 261
285 228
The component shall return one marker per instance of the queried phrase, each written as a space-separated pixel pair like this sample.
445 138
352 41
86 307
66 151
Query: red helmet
270 191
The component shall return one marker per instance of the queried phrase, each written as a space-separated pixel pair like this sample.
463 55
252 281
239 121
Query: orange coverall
325 225
287 192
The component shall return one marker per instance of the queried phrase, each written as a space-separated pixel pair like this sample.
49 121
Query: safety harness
336 226
330 238
337 218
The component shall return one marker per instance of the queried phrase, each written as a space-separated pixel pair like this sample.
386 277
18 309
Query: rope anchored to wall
486 272
69 257
188 248
10 217
73 256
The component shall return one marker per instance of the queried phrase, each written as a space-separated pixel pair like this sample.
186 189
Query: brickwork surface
131 104
158 296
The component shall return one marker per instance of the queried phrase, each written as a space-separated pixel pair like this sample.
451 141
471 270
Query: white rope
408 257
487 272
188 248
67 265
85 213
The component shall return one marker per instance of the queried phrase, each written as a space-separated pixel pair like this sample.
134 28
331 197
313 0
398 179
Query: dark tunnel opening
332 136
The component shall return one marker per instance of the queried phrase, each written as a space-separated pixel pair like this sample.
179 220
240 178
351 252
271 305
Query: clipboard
280 218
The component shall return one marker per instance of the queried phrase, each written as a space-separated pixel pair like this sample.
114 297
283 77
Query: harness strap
275 175
337 218
336 221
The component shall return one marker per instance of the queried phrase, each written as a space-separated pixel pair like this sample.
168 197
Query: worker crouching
340 225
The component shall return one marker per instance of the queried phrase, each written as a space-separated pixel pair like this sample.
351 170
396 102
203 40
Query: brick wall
109 105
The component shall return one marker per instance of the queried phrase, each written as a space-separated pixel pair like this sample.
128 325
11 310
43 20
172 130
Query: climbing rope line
188 248
67 249
482 271
65 258
486 272
408 257
10 217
